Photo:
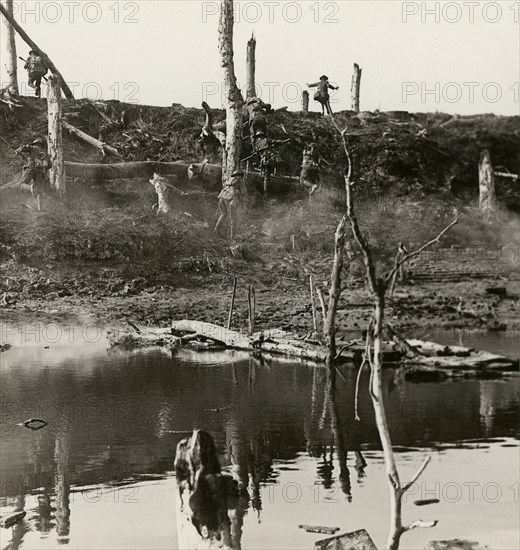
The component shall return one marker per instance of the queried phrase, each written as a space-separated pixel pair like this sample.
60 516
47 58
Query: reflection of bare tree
343 441
62 481
339 437
238 453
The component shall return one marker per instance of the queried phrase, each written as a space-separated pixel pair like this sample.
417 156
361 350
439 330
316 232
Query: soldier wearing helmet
36 165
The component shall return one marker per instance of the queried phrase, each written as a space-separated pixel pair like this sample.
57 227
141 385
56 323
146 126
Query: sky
457 56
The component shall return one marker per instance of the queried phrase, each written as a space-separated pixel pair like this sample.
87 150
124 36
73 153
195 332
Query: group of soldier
269 158
37 161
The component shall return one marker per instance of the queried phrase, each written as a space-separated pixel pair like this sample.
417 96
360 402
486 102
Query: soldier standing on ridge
37 69
322 93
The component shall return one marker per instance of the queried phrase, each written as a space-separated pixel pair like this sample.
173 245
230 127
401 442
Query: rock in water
357 540
455 544
11 519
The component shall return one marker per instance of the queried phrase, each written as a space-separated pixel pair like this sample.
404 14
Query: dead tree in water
356 83
26 38
11 60
378 286
55 140
487 196
251 67
234 101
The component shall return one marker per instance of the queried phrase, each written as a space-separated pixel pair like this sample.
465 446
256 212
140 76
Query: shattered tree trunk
26 38
305 101
250 68
11 59
103 147
487 196
205 496
234 101
55 140
356 83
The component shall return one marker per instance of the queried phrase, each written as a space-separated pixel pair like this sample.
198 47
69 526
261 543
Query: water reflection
115 418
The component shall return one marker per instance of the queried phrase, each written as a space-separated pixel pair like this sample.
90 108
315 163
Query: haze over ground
457 57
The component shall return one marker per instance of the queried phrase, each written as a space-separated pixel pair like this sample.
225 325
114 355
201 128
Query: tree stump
305 101
205 495
250 68
356 83
487 196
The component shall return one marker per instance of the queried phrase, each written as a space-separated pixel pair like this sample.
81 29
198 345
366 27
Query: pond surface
100 474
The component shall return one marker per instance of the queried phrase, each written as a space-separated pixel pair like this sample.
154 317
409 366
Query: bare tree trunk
11 59
487 196
382 424
356 83
335 288
55 141
378 287
250 67
25 37
234 101
305 101
203 496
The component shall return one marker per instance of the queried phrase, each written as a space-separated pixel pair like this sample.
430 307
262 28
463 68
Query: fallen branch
420 523
507 175
417 475
103 147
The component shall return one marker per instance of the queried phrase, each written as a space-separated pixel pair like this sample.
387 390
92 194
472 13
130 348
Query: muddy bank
283 303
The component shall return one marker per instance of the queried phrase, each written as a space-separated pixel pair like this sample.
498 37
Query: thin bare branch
408 257
366 361
323 307
407 486
420 524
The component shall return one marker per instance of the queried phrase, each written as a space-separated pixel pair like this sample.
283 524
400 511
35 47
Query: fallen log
103 147
124 170
207 176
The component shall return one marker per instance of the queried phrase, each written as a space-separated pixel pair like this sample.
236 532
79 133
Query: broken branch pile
429 356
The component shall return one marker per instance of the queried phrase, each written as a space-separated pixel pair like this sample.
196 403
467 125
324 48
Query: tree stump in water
205 495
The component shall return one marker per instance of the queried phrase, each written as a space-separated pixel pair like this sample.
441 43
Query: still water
100 474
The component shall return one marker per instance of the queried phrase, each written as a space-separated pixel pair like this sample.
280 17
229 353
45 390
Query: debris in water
11 519
319 529
360 540
34 424
426 501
